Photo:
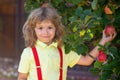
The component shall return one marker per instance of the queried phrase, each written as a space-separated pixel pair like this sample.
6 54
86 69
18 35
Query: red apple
102 56
107 10
109 30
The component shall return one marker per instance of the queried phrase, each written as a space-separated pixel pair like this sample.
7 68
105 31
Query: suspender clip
38 66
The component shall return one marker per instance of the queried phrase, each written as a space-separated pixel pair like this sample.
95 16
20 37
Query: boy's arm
22 76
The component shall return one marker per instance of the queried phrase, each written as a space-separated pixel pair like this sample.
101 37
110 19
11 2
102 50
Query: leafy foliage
84 21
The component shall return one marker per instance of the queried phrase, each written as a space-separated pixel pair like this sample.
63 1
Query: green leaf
108 66
116 70
38 1
57 2
78 11
94 4
96 23
88 36
101 47
113 50
107 45
30 5
87 12
87 18
74 29
106 75
118 41
81 49
67 48
80 40
73 18
74 1
97 64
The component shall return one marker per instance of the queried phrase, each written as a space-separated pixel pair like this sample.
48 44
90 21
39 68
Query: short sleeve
24 64
72 58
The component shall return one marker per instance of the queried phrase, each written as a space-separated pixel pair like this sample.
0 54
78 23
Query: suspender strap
39 73
61 63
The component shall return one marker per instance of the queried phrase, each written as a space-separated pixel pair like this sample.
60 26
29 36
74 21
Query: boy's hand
106 38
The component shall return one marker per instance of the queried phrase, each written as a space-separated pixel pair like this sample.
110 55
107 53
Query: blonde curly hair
45 12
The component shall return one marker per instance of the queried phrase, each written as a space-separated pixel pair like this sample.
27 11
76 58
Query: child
43 33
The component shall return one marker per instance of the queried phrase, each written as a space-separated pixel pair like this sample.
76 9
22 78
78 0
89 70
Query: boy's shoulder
27 48
27 51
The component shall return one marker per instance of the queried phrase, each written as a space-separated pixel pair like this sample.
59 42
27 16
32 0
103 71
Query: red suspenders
37 62
61 63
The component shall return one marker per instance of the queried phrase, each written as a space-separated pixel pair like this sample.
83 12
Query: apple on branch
109 29
108 10
102 57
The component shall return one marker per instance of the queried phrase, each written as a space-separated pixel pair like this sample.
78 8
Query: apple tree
84 21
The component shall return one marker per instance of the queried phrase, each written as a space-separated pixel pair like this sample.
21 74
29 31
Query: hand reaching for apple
109 34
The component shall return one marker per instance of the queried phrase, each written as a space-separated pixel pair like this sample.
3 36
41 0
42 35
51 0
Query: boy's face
45 31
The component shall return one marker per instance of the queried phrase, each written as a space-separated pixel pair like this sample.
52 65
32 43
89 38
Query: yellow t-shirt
49 60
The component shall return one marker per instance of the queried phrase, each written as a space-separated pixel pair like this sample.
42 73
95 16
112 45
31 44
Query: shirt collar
40 43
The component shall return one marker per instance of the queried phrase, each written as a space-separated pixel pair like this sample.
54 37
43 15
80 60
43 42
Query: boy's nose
45 31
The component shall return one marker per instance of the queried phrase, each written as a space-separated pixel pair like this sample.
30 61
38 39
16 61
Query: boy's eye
50 27
40 28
